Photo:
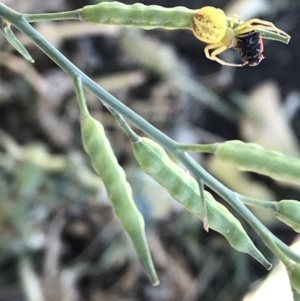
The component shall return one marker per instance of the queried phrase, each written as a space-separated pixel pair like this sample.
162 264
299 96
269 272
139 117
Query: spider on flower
210 25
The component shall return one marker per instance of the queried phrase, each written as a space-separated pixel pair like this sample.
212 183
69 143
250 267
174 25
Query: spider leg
211 47
259 25
218 48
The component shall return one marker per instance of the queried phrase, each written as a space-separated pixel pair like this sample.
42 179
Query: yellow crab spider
210 25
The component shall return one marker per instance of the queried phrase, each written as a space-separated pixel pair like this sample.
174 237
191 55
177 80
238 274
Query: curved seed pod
289 213
252 157
119 191
154 160
140 15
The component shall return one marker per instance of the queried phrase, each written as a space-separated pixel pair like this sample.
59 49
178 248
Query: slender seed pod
140 15
119 191
289 213
252 157
154 160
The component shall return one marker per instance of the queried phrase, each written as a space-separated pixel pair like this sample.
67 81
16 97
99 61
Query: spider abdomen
250 47
209 24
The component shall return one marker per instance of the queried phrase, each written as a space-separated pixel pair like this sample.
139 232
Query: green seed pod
252 157
154 160
119 191
289 213
140 15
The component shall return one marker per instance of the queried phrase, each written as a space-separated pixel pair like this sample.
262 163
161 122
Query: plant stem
197 148
84 111
68 15
231 197
259 203
132 136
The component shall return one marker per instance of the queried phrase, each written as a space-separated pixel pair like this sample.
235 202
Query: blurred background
58 237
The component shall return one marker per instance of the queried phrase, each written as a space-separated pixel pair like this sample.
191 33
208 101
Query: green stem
197 148
282 256
231 197
68 15
132 136
84 111
259 203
